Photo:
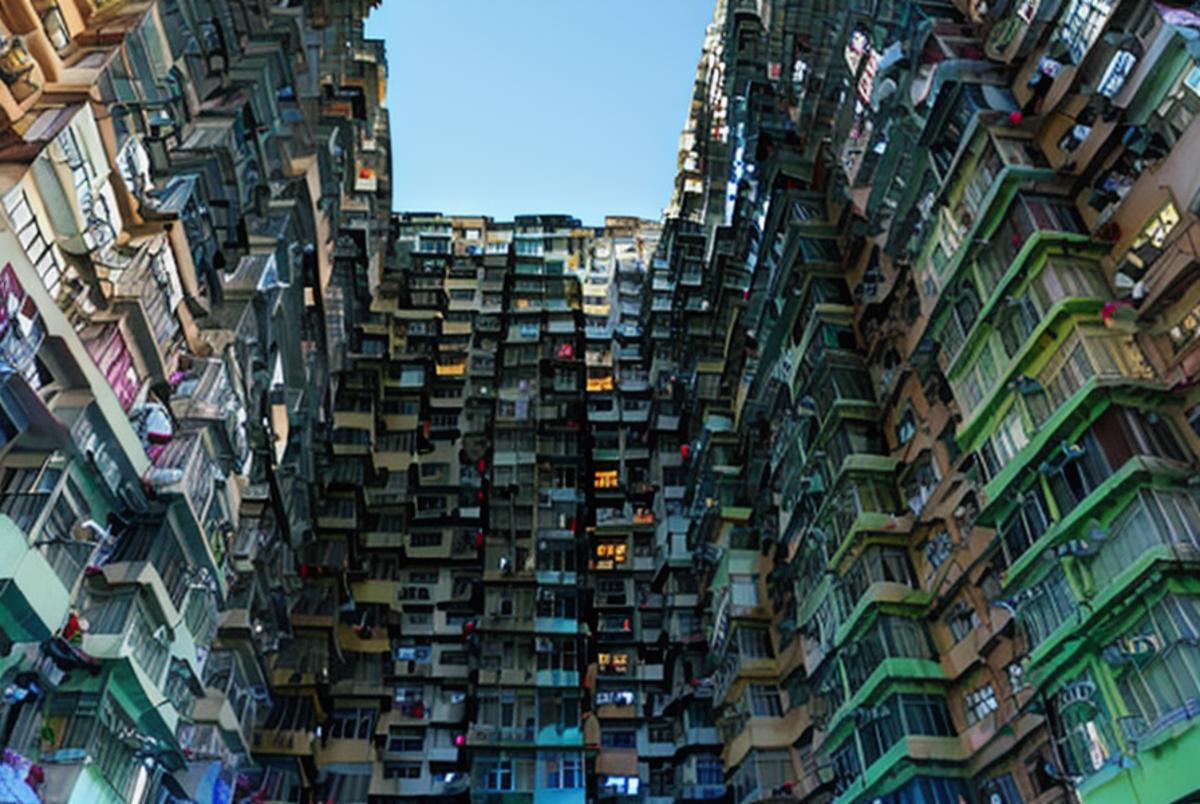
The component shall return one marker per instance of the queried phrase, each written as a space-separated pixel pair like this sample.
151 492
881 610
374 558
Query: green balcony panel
33 601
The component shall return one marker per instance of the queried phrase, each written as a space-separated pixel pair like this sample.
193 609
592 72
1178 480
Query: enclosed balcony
230 700
21 79
33 601
72 175
999 327
123 626
289 727
904 726
185 468
1085 358
93 733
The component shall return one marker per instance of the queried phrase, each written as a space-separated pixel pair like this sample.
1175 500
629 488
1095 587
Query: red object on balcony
1016 118
460 740
1111 309
468 626
684 449
478 540
72 627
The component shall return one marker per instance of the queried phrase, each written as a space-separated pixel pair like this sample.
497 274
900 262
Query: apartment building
864 475
177 177
946 298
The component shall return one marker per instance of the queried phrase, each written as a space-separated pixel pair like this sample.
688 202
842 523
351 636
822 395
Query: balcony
485 735
229 701
426 784
22 81
555 677
72 175
288 728
1086 359
33 602
184 469
1005 324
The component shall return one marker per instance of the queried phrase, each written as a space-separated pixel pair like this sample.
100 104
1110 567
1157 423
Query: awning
33 601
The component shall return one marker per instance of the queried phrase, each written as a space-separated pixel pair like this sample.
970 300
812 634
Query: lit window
616 698
1118 70
606 479
610 554
1158 227
623 785
614 663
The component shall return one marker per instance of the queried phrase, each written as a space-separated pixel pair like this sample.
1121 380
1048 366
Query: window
661 731
1045 606
1009 438
906 427
765 700
846 767
1118 70
962 619
606 479
405 740
981 703
774 770
402 770
616 663
498 775
1159 663
710 771
564 772
1001 790
902 714
1015 674
662 780
745 590
1081 24
619 739
754 643
1025 525
425 538
610 554
616 698
352 724
623 785
1159 227
938 549
616 623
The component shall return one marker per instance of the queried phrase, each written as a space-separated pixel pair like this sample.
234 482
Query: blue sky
503 107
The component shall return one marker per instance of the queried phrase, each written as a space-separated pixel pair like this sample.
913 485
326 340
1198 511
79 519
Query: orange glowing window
610 554
614 663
